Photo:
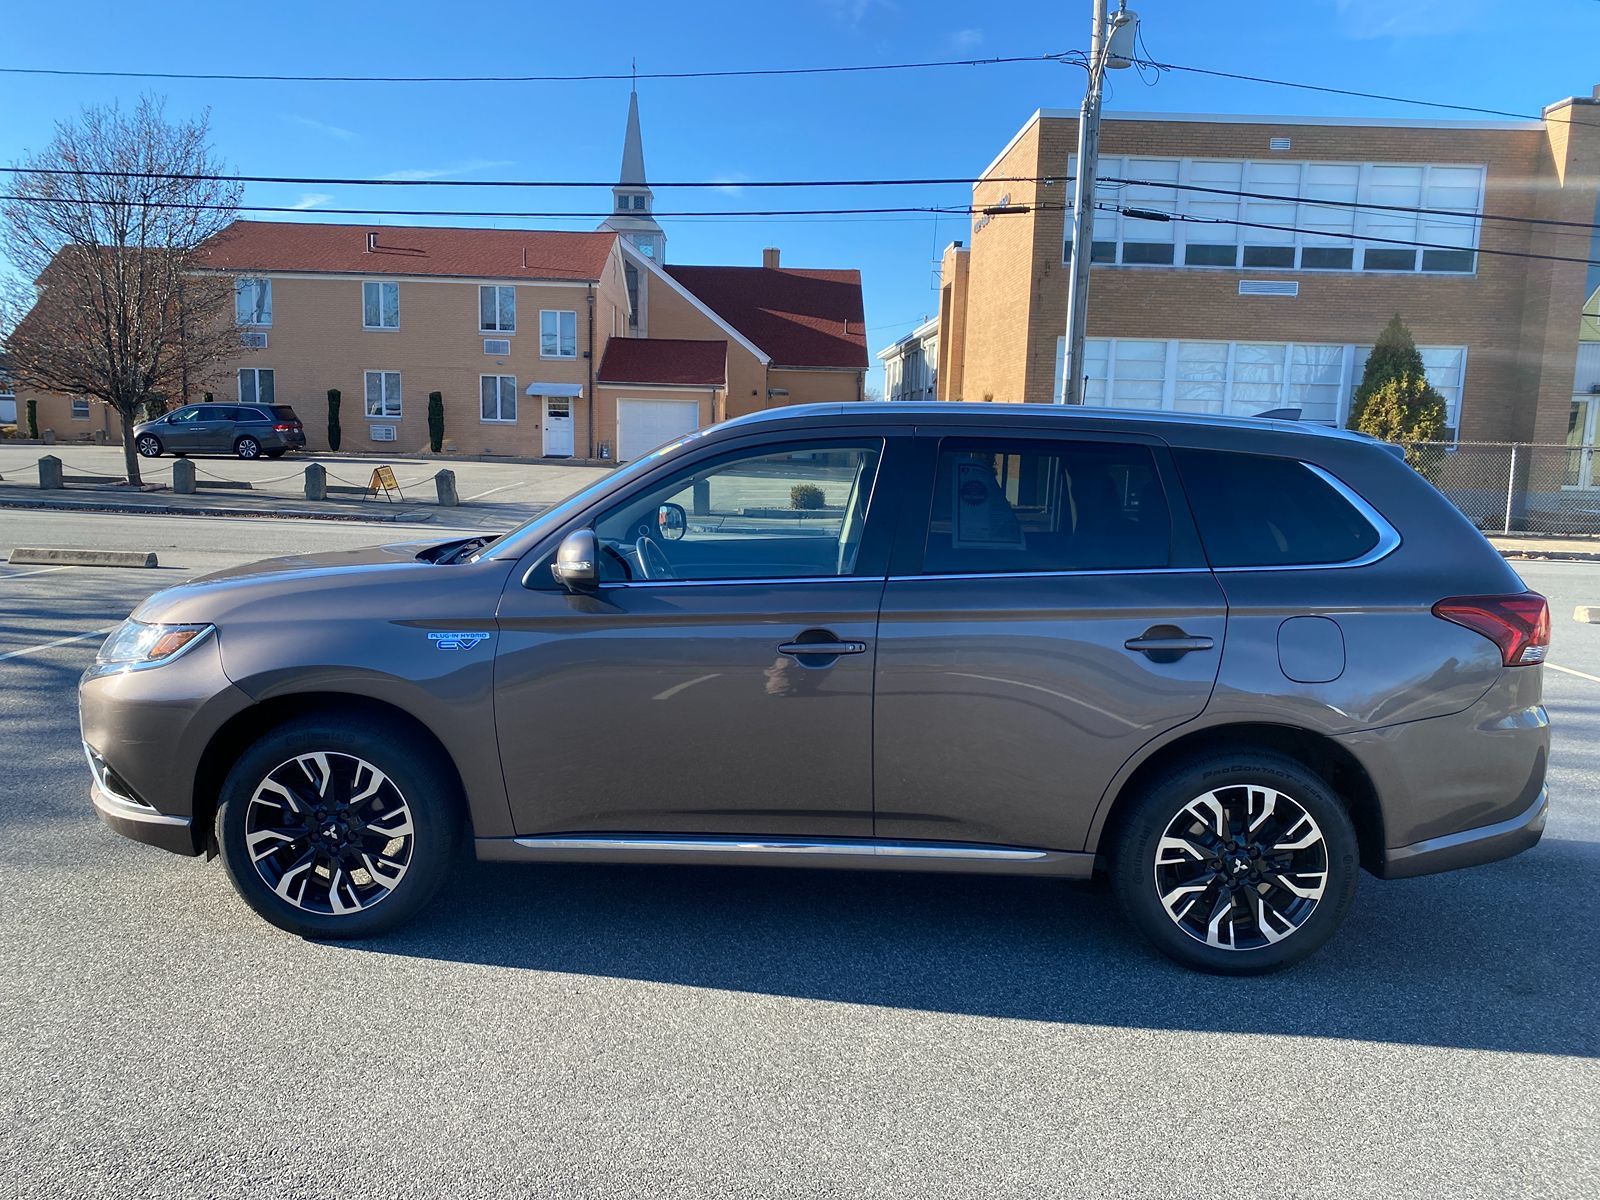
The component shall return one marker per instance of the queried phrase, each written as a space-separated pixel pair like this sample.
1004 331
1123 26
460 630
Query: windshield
518 541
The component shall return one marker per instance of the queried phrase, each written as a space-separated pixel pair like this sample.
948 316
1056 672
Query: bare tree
109 223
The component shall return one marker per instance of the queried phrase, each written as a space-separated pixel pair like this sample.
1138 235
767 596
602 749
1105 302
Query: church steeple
631 198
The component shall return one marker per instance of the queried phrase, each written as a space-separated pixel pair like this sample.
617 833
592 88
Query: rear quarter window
1256 511
282 412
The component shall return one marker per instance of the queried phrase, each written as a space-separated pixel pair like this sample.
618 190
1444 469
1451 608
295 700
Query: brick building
540 342
1286 255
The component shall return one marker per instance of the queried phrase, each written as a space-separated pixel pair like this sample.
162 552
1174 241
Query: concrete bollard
49 437
101 438
445 481
183 477
316 482
50 473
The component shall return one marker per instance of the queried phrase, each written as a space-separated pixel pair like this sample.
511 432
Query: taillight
282 428
1518 624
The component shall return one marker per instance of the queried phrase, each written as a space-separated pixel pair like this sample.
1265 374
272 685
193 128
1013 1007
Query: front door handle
1166 643
822 649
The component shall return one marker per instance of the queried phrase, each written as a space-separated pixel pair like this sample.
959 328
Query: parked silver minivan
1228 663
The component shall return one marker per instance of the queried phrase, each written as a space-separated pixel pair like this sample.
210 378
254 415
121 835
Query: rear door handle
1166 643
822 649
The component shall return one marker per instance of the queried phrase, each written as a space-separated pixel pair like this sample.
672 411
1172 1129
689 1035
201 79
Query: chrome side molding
830 853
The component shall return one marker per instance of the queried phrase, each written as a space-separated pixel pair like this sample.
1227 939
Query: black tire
273 453
1272 923
149 445
247 447
250 808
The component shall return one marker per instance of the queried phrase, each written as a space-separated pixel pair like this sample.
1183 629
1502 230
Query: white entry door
557 427
642 425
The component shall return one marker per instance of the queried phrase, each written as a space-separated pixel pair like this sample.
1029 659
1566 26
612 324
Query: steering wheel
653 560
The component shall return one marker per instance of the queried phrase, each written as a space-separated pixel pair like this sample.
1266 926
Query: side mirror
577 563
672 521
170 419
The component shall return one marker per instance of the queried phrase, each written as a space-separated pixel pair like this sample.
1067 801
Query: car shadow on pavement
1496 958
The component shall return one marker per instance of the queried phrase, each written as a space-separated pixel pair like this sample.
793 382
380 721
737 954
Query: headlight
135 645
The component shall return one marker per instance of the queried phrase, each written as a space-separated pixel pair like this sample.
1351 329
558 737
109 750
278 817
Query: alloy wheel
329 833
1241 867
149 447
248 448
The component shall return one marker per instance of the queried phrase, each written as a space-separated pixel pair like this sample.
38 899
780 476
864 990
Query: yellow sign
383 477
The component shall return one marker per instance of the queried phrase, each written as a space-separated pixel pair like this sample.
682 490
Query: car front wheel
1238 864
247 447
335 828
149 445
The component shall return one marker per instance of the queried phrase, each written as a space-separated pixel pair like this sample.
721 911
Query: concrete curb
1587 614
175 510
1552 555
40 556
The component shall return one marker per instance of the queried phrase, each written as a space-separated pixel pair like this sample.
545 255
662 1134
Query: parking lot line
40 571
77 637
1570 671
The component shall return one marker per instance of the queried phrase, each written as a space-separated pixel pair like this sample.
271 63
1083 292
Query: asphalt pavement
603 1031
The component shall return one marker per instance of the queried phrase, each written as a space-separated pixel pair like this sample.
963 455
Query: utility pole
1111 46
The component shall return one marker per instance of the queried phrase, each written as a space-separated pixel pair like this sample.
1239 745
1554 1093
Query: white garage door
642 425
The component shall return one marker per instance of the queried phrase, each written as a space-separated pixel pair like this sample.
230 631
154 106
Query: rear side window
1256 511
282 412
1046 505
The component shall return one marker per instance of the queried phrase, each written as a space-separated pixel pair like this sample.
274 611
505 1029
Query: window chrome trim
1388 536
747 582
947 575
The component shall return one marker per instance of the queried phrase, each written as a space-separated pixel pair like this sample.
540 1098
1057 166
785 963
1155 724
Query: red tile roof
409 250
664 361
799 318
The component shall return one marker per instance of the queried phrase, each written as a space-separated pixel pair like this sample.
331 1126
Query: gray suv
1227 663
247 430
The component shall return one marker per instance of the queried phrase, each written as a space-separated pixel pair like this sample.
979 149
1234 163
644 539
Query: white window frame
558 314
500 399
1353 360
385 413
256 284
497 288
1114 227
255 373
380 284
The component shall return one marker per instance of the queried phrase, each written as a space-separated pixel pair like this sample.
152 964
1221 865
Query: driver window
780 512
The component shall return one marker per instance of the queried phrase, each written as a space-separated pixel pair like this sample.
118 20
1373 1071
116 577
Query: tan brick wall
954 278
673 316
55 413
1517 317
815 386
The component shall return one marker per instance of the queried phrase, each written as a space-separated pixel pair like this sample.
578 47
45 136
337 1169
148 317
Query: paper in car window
983 518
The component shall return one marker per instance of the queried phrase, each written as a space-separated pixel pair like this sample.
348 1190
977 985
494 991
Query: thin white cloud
965 39
1372 19
311 200
855 12
333 131
728 182
460 168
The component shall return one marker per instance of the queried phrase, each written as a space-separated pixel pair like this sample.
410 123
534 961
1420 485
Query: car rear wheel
1238 864
332 827
149 445
247 447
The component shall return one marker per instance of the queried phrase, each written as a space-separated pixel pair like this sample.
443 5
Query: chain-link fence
1516 487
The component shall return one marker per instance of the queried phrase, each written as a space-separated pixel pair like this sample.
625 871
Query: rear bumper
1470 847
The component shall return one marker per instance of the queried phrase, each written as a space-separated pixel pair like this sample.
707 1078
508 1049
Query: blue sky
946 122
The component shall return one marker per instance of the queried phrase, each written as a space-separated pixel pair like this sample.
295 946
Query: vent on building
1268 287
253 341
1277 143
382 433
497 346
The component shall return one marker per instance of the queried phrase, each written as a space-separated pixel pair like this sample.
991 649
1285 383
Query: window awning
555 389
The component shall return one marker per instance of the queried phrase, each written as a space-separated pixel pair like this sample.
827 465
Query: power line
1337 91
1149 215
758 184
613 77
993 210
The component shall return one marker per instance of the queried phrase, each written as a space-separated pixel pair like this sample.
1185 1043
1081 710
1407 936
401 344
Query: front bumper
145 733
1470 847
